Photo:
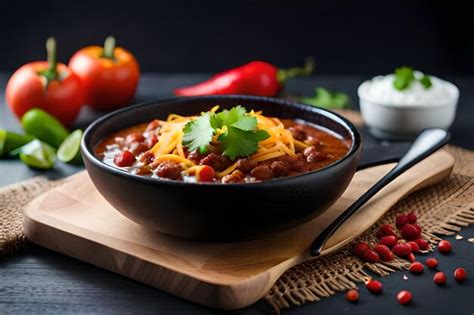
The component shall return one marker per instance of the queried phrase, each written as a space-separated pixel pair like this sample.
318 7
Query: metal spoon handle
427 142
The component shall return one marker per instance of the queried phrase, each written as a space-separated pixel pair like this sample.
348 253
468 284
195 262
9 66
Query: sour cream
394 114
381 90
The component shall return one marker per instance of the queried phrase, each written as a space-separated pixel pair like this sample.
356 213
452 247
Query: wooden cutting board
75 220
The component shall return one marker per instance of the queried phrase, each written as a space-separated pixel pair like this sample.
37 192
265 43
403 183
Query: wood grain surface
75 220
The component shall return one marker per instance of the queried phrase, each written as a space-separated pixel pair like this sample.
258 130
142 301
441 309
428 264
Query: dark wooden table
41 281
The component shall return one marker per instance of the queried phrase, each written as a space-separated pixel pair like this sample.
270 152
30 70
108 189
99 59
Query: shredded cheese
169 146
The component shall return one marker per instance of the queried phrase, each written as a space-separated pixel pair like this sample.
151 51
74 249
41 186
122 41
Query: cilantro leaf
426 81
404 76
236 142
198 133
327 99
235 117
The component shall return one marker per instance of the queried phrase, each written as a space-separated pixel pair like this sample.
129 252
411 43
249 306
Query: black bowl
220 212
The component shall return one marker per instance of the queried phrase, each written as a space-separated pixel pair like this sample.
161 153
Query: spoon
427 142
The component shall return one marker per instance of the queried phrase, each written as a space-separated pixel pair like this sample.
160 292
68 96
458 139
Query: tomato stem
285 74
52 72
109 48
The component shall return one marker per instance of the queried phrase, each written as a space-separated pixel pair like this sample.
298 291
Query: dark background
345 37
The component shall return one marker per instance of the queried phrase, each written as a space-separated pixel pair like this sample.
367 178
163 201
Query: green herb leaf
198 133
327 99
237 142
240 136
404 76
426 81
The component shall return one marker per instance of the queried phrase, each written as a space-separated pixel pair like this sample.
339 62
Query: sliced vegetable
327 99
38 123
38 154
69 151
10 141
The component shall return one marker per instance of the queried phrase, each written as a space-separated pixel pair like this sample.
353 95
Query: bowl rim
87 150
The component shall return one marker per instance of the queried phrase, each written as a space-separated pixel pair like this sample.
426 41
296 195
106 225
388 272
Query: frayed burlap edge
442 209
13 199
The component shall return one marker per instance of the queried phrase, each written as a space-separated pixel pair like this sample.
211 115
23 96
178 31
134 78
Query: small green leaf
237 142
229 117
198 133
426 81
404 76
327 99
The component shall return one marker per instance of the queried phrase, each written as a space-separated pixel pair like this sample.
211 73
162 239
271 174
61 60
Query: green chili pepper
43 126
10 141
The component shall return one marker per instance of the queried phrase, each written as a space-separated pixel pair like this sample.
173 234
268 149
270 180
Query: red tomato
205 174
61 98
109 82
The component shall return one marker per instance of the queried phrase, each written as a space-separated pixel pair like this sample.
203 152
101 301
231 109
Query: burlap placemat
442 209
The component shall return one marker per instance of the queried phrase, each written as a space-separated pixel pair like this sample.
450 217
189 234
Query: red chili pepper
255 78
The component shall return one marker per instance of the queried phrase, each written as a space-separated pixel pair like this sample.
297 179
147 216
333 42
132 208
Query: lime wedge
38 154
10 141
69 151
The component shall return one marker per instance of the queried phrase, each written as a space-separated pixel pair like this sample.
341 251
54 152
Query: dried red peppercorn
416 267
417 227
444 247
384 252
414 247
411 257
388 240
401 220
360 248
411 218
439 278
422 244
124 158
352 295
385 229
371 256
410 232
404 297
432 263
460 274
374 286
401 249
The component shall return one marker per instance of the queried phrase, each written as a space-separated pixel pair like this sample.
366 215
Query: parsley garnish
327 99
198 133
404 76
238 137
426 81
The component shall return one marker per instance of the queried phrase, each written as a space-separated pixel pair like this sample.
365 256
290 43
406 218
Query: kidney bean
262 172
234 177
146 157
298 132
136 148
168 170
246 165
280 168
217 161
134 137
153 125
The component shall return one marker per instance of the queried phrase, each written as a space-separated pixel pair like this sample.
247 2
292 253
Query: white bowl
405 121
